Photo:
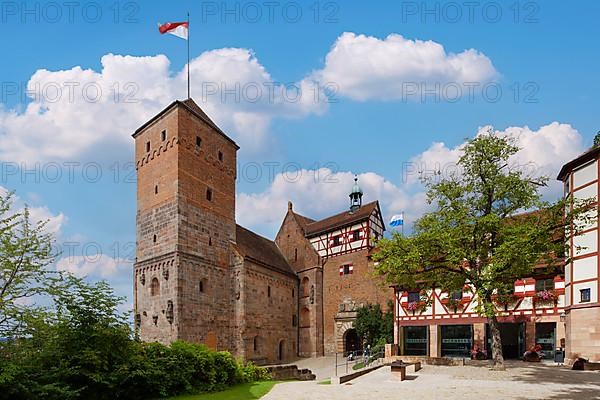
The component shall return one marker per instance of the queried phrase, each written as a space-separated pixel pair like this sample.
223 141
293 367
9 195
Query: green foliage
597 139
80 347
26 252
478 231
244 391
374 326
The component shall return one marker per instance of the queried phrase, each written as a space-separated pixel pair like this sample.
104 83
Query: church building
201 277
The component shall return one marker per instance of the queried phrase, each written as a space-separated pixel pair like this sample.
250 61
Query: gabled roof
262 251
342 219
192 107
303 221
589 155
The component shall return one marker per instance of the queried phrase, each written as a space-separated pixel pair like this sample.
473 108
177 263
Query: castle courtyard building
582 283
201 277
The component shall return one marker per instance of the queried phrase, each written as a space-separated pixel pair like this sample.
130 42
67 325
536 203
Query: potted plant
416 306
454 304
546 297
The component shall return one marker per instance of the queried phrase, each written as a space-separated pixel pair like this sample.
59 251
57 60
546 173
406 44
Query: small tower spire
355 196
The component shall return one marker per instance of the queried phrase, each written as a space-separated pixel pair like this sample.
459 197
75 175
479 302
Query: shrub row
146 371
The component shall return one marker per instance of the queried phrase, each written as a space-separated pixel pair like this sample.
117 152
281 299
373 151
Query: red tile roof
262 251
340 220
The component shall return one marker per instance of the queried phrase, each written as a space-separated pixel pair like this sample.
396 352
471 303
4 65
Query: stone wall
306 262
357 288
270 314
583 334
186 211
155 304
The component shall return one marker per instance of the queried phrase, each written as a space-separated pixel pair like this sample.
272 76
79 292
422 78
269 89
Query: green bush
86 352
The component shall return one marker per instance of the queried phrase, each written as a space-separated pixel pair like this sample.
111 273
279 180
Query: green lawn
245 391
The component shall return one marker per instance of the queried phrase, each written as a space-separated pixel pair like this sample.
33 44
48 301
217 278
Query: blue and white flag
397 220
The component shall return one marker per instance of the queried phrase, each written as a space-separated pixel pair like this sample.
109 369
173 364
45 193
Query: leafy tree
25 254
478 232
374 326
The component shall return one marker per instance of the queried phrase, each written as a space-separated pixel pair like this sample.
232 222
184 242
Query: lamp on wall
563 317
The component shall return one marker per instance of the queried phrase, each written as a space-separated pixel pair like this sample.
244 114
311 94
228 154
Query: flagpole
188 51
402 213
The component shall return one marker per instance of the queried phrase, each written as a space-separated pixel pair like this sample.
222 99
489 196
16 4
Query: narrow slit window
198 141
163 135
147 147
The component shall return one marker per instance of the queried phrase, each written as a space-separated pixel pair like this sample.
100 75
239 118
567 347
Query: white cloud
76 111
366 67
54 222
96 266
543 152
320 193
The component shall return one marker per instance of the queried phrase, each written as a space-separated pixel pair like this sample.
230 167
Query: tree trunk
497 356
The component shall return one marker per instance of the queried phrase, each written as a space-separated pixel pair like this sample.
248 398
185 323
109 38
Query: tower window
154 287
209 194
293 293
155 189
295 254
163 135
210 241
294 320
255 344
220 156
268 291
147 147
201 286
154 239
585 295
198 141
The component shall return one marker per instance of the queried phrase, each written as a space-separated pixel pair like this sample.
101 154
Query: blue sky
548 52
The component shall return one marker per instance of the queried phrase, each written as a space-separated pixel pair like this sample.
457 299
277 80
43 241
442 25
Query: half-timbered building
335 271
582 274
435 323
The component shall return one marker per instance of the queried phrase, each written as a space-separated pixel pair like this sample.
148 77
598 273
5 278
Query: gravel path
438 382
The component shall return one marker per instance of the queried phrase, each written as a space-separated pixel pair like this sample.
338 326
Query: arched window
304 318
305 287
154 287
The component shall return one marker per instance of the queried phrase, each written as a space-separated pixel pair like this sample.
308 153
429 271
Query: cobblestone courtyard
519 381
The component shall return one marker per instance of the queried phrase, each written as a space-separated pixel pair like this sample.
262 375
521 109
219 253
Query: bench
398 368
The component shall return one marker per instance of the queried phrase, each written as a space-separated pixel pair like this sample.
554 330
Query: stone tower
186 171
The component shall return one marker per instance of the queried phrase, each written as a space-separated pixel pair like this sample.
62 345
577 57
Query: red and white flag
179 29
